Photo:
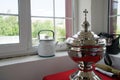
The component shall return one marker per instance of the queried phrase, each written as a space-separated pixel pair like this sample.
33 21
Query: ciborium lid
85 36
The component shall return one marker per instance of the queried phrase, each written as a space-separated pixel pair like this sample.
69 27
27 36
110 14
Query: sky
45 7
38 7
8 5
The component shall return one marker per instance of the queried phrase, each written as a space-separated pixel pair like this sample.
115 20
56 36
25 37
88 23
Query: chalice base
80 75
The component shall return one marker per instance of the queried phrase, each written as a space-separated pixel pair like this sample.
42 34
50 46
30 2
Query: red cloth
65 76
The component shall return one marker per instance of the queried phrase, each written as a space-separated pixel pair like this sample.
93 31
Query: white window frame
24 36
25 45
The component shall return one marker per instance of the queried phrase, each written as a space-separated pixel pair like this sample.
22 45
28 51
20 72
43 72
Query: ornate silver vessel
85 48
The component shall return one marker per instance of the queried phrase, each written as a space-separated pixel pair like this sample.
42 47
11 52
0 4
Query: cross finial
85 11
85 23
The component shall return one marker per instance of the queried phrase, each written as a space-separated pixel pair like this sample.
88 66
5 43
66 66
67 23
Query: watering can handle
46 30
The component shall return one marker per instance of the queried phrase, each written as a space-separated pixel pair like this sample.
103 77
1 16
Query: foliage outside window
9 26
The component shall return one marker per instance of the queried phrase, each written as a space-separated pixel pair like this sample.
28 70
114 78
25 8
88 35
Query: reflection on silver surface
85 48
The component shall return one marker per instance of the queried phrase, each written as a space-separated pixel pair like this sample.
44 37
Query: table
65 76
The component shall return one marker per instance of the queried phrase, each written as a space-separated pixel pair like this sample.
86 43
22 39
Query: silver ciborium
86 49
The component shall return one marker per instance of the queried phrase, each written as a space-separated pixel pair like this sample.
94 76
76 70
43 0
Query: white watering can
46 47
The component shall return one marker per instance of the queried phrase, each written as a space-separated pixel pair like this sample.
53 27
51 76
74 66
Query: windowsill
116 55
115 60
24 59
31 58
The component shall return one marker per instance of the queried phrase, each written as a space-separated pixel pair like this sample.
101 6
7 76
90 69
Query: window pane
42 7
60 29
115 7
115 25
114 17
118 25
59 8
40 24
118 7
9 7
62 8
9 30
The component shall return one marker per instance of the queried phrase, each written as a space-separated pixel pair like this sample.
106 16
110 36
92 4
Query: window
114 16
14 25
55 15
20 21
9 29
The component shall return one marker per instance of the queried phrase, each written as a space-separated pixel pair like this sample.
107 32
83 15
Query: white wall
97 14
76 17
37 69
84 4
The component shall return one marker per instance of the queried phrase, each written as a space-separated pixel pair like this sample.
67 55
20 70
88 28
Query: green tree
60 33
39 25
9 26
